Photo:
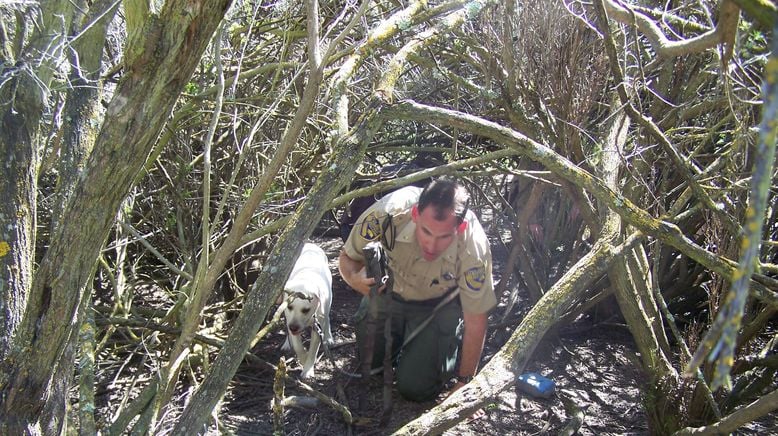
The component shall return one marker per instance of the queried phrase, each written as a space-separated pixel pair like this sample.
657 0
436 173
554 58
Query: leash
453 292
386 411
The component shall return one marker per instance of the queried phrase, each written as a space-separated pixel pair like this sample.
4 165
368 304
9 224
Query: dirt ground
596 366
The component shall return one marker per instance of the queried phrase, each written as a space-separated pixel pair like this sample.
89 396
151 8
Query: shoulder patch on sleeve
370 230
475 278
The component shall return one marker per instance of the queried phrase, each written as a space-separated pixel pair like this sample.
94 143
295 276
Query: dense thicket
164 162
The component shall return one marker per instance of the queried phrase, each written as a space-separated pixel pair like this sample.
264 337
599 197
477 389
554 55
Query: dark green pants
427 362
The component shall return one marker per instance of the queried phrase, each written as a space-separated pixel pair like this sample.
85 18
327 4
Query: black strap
388 233
432 302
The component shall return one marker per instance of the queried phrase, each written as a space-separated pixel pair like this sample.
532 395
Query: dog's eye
290 307
306 310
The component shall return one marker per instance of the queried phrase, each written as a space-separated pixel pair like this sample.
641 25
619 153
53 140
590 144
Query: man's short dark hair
445 194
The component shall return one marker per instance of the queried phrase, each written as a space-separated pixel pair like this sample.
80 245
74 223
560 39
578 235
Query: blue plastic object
536 385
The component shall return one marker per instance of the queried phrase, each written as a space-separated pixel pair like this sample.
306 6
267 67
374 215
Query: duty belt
432 302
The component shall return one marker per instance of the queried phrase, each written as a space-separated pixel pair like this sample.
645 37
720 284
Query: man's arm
354 274
472 345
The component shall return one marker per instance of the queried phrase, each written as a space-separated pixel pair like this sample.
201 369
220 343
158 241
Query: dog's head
300 310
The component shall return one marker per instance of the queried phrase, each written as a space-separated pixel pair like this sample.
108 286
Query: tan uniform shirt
466 263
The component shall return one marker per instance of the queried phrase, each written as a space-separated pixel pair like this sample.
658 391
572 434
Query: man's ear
462 227
415 212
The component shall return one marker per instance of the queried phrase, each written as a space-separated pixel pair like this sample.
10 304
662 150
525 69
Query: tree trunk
24 96
631 279
633 293
33 391
83 99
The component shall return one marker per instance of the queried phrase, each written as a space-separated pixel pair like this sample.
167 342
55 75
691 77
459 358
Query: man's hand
354 274
472 342
376 265
472 347
362 282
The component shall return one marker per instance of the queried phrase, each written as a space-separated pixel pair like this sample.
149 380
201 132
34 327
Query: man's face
434 236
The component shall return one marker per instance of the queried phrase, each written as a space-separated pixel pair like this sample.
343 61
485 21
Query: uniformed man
435 247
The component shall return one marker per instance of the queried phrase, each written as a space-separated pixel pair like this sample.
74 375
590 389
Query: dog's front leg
325 326
299 349
310 360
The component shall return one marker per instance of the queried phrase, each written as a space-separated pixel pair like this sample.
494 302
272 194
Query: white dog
309 295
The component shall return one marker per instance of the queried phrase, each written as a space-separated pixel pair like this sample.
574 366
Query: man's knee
413 389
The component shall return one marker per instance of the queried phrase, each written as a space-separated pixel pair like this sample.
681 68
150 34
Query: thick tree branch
502 370
763 11
720 341
683 165
663 46
666 231
759 408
